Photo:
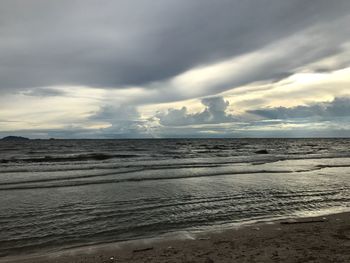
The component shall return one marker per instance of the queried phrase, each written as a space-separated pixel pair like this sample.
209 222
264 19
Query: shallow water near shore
68 193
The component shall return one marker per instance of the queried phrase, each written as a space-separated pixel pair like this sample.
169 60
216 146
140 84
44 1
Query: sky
174 68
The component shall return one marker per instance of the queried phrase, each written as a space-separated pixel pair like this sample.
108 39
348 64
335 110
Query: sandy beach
314 239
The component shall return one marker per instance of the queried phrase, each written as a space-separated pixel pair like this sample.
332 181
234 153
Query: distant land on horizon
15 138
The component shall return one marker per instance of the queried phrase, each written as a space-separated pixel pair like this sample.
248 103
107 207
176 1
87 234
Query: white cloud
214 113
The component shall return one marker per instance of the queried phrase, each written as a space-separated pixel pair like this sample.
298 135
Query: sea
61 194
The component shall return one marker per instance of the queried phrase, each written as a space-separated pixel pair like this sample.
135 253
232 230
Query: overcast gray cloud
129 42
339 107
60 60
43 92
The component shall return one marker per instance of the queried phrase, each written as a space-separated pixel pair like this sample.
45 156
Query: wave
72 183
72 158
138 171
153 163
131 167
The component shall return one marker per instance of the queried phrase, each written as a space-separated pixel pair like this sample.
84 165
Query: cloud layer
126 43
339 107
142 68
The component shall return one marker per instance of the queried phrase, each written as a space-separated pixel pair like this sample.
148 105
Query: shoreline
324 238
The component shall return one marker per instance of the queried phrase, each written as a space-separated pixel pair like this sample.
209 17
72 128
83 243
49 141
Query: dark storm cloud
214 112
339 107
123 43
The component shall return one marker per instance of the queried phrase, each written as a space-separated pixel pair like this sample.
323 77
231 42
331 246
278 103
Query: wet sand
317 239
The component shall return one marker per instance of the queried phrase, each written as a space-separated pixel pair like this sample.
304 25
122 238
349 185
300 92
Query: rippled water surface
65 193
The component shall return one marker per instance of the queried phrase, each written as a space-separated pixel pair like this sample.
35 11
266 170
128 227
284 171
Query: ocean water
57 194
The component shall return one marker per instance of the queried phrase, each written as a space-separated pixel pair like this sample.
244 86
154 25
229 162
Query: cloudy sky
174 68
